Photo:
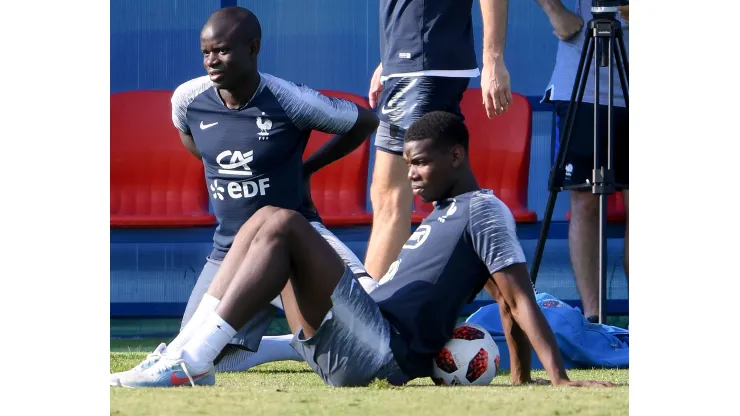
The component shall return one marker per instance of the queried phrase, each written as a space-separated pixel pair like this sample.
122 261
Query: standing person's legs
626 196
583 230
403 101
622 172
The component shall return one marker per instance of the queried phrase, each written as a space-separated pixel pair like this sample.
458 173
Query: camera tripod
603 41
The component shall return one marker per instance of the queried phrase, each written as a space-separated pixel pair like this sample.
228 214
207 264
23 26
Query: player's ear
458 155
254 47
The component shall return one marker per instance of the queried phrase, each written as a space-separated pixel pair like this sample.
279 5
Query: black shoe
594 319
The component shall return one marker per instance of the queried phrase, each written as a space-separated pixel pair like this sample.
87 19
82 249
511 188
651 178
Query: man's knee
390 197
390 187
279 223
263 214
584 204
285 220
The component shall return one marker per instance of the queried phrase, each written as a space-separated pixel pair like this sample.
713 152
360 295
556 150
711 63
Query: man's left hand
495 87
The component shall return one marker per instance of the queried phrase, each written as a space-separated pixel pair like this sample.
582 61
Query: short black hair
443 128
242 20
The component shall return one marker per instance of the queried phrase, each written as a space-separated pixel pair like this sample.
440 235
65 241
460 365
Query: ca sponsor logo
235 162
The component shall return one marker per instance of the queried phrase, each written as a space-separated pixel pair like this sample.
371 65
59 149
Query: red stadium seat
614 208
154 181
339 189
499 153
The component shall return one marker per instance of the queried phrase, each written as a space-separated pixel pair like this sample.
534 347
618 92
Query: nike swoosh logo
395 98
178 381
205 126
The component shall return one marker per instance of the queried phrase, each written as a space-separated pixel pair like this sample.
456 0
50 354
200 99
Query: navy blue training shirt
443 266
424 35
253 156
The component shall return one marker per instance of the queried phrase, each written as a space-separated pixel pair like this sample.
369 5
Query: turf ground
291 388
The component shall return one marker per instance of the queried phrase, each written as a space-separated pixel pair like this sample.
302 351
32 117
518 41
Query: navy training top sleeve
311 110
183 97
493 233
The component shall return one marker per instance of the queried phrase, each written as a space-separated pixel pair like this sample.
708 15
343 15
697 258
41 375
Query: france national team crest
451 210
264 125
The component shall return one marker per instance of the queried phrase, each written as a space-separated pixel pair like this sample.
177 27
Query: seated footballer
350 337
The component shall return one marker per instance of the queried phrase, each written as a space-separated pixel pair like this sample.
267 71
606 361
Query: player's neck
467 183
239 97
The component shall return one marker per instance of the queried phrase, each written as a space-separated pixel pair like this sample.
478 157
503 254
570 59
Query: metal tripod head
606 9
607 4
605 21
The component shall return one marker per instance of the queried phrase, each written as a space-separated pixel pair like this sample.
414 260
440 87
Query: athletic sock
277 302
207 341
206 306
275 348
272 348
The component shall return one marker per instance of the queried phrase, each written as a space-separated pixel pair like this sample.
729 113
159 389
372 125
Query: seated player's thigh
316 268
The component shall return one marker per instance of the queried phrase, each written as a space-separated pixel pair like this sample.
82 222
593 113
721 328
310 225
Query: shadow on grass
276 371
489 386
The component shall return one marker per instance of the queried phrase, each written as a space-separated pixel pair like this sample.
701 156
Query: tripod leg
556 173
603 183
622 67
623 53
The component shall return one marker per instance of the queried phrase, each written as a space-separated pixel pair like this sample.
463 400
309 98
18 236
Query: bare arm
495 14
495 79
520 350
189 143
516 291
493 236
565 23
344 143
551 6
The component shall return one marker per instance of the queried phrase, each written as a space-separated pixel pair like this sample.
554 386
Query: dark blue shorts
351 347
406 99
580 161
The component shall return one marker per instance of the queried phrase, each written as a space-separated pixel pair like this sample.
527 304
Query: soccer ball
471 357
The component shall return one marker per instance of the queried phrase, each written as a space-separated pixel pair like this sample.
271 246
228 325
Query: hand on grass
584 383
535 381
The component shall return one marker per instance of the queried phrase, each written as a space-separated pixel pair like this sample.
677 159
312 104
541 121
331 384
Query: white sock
274 348
277 302
207 341
206 306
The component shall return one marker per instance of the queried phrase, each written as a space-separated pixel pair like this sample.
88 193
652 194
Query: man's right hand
584 383
565 23
624 12
376 87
